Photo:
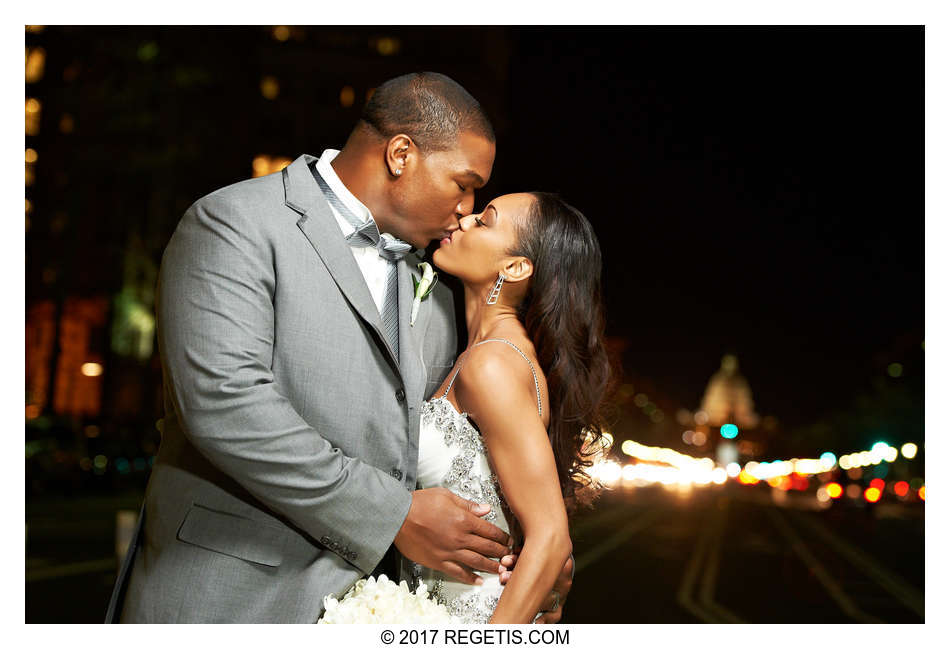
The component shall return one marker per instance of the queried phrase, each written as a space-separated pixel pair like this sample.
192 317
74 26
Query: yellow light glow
920 492
32 411
91 369
35 63
29 206
347 96
31 156
719 475
699 438
834 489
845 462
872 494
822 495
387 46
270 87
909 450
66 123
281 32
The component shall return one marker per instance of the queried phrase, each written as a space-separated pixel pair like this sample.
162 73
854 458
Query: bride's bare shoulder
495 372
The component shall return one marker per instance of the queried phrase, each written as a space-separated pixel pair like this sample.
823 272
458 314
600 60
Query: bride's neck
485 320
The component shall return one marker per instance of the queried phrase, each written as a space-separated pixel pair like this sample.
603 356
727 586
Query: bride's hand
445 532
554 604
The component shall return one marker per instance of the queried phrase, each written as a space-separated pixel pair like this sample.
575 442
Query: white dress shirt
375 269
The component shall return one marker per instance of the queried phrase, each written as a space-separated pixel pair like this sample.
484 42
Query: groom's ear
400 151
518 269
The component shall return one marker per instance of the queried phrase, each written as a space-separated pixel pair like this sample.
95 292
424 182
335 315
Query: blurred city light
281 33
347 96
894 370
920 493
733 469
834 489
828 460
270 87
901 488
878 484
909 450
35 63
853 491
729 431
91 369
699 438
872 494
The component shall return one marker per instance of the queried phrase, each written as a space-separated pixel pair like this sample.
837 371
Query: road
717 555
732 555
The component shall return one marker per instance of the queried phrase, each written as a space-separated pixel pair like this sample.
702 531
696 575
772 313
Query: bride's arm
500 397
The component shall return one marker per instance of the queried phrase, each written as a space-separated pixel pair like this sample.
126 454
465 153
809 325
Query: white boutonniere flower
424 286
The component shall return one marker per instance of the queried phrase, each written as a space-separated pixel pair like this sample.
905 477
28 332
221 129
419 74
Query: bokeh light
909 450
872 494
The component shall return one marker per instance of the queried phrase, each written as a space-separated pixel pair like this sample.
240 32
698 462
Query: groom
293 379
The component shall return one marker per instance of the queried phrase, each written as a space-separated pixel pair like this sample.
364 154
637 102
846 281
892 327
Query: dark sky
754 190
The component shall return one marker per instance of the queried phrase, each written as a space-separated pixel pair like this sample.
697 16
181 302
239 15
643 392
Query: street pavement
728 554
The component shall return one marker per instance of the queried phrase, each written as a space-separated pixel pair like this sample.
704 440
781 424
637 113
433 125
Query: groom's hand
444 532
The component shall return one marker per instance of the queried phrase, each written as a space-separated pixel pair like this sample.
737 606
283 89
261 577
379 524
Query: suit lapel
319 225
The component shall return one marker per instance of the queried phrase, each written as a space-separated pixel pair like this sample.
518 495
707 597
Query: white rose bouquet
372 601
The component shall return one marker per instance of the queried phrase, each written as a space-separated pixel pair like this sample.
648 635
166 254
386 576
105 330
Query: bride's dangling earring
496 289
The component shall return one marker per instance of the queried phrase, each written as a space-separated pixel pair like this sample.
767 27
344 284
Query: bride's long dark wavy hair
563 313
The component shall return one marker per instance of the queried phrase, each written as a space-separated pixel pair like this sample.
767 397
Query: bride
511 424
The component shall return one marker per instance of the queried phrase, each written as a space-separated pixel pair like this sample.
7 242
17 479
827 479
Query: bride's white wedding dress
451 455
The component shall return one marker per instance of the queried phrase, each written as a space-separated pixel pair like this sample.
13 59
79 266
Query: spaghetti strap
537 389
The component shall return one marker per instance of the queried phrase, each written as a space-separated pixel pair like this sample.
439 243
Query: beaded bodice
452 455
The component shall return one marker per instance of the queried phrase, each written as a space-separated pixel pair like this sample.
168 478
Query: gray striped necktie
366 233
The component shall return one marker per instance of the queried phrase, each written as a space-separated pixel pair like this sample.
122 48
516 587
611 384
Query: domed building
728 397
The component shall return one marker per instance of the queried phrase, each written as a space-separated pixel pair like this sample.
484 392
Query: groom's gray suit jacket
290 437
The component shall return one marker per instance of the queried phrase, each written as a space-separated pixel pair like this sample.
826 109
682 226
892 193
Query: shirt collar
345 195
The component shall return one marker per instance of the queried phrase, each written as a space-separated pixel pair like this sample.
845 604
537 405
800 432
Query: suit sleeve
216 337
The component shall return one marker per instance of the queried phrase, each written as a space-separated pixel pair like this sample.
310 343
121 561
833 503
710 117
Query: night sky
755 190
758 191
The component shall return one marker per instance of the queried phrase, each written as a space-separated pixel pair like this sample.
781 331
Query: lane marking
896 586
71 569
831 586
614 541
689 578
707 591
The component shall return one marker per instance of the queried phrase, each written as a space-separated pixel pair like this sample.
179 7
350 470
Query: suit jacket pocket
232 535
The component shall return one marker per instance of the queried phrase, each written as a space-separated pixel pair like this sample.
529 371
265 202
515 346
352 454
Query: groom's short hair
429 107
